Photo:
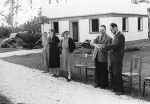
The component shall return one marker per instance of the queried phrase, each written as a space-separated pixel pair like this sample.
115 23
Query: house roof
97 16
73 8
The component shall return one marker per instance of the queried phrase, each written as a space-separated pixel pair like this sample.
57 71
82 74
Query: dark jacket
72 45
117 48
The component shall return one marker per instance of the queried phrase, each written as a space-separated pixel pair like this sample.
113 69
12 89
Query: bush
131 48
83 51
86 44
5 32
28 37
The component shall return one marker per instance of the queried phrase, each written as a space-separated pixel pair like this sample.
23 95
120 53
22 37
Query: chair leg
85 74
144 89
130 84
140 84
79 71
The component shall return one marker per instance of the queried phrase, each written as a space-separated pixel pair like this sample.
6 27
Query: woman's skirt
66 62
45 57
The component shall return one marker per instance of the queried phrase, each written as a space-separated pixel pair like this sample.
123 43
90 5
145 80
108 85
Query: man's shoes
96 86
54 75
113 90
118 93
45 72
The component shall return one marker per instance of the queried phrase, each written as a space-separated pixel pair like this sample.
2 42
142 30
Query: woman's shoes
68 80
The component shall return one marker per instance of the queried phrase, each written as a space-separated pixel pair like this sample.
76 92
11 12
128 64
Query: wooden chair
89 66
146 82
80 65
135 72
83 64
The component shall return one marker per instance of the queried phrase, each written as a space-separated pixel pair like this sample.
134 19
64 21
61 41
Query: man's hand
101 46
97 45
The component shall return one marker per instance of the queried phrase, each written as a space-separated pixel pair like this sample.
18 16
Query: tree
139 1
11 17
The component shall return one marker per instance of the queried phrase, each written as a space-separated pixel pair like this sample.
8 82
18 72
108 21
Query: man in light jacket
101 58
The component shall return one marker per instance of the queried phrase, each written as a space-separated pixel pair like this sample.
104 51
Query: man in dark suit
116 57
101 58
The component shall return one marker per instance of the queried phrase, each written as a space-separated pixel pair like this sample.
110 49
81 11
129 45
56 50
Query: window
56 27
94 25
125 24
140 24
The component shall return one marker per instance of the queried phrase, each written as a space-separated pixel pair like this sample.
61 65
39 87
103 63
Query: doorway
75 30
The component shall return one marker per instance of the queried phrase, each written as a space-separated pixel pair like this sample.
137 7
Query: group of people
53 48
108 53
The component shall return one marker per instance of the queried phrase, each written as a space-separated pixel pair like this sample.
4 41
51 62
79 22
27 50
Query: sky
26 13
71 7
89 7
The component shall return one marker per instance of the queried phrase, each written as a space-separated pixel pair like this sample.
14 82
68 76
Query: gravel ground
25 85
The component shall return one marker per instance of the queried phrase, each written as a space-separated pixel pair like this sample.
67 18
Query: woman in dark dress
54 52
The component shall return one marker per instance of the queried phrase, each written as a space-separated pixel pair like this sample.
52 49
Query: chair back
84 59
81 59
136 63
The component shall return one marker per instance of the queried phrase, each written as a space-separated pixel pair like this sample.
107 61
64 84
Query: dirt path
25 85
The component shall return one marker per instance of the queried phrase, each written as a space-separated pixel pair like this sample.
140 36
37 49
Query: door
75 31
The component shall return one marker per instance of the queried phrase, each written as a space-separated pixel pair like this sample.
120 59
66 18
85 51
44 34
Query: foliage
83 51
131 48
44 19
86 44
14 7
5 31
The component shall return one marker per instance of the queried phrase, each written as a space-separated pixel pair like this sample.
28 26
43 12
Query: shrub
83 51
28 37
5 32
86 44
131 48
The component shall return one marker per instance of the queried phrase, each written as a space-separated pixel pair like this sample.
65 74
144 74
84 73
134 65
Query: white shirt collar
117 32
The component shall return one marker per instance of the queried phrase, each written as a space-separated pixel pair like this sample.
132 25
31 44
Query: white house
83 18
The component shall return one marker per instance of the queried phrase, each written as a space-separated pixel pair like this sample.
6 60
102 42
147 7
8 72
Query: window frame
141 23
54 28
126 24
90 26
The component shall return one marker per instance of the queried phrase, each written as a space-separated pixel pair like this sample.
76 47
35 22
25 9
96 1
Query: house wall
63 25
84 24
45 27
133 33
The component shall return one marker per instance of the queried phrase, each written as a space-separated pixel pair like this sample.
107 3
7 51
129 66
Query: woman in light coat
45 51
68 46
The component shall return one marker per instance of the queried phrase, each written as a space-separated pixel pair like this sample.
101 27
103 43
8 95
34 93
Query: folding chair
146 82
83 64
80 64
135 72
89 66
